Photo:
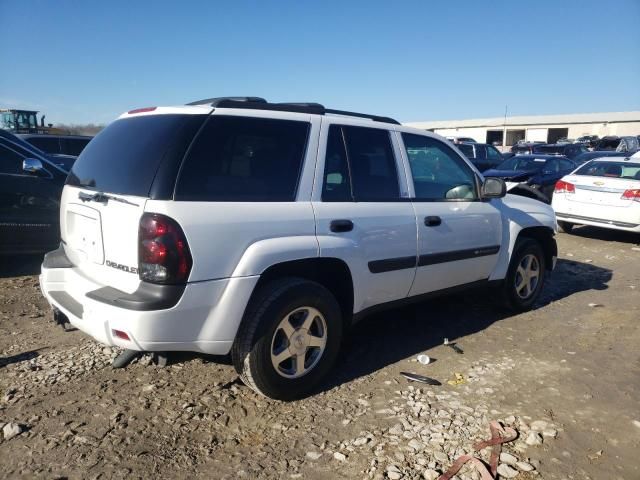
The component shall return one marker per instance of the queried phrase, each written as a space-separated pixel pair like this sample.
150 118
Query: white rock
505 471
524 466
339 456
550 432
539 425
508 458
441 457
430 474
360 441
416 445
11 430
533 439
394 475
314 455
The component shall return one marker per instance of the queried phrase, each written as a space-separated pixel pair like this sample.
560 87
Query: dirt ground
566 376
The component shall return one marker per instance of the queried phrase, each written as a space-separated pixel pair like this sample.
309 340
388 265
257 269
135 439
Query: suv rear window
244 159
124 157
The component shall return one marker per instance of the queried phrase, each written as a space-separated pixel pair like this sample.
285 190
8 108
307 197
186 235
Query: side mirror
32 165
494 188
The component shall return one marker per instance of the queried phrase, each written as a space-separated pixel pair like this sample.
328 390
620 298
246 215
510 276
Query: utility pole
504 130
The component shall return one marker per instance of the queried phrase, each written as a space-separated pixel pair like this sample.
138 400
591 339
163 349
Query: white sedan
604 192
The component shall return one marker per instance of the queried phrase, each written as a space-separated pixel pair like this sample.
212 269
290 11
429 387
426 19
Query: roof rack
258 103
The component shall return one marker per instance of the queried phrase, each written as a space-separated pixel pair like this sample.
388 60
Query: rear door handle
432 221
338 226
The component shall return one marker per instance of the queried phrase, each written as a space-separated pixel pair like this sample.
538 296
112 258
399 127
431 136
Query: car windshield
522 163
626 170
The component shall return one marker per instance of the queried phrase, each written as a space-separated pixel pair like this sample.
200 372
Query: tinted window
552 166
10 161
467 150
374 175
46 144
244 159
73 146
124 157
438 172
493 153
337 181
565 164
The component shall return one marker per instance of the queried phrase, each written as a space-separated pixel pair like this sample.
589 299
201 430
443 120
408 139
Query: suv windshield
124 157
625 170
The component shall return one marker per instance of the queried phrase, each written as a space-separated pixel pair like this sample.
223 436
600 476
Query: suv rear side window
359 166
373 166
244 159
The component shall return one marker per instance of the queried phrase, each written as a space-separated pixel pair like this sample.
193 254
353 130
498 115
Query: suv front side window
439 174
10 161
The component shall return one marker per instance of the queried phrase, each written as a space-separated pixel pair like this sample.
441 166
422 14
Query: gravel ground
565 376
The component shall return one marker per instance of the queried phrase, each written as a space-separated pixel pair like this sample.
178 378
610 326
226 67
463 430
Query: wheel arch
545 237
332 273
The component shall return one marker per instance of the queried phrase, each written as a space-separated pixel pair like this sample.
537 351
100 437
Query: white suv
265 230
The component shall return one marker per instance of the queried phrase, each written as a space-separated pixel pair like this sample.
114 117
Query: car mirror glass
32 165
493 188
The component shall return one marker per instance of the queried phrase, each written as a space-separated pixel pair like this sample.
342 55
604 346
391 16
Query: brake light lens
564 187
633 194
141 110
163 251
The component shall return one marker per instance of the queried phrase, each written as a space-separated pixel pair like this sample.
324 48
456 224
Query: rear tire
525 276
565 227
289 338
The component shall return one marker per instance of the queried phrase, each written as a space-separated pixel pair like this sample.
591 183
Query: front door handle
339 226
432 221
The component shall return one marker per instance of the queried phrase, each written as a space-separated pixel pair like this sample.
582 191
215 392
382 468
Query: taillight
163 252
564 187
633 194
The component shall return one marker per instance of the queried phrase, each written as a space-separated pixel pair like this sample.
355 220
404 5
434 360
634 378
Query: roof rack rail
258 103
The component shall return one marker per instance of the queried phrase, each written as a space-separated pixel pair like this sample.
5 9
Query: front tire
525 276
289 338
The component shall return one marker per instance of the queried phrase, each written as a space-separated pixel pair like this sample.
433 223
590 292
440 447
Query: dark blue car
537 174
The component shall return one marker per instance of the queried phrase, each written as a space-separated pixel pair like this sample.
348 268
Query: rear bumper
598 222
204 317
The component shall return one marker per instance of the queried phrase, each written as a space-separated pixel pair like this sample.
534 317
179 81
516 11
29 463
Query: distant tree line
80 129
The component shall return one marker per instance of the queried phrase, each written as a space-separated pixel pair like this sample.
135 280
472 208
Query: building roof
608 117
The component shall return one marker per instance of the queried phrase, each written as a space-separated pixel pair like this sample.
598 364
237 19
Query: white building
546 128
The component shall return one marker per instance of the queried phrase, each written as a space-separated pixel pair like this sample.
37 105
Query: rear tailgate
101 238
135 158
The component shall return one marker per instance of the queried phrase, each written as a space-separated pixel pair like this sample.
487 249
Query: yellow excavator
25 121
